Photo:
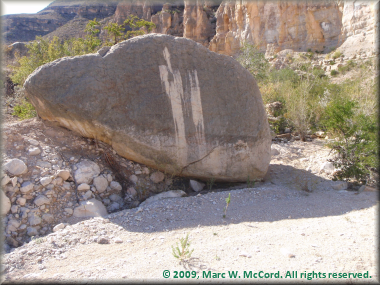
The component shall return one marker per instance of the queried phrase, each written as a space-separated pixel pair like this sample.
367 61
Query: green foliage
254 61
210 183
250 183
228 200
115 33
334 72
25 110
138 26
347 67
337 54
183 252
357 145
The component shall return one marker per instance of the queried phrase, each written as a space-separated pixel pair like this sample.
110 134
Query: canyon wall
303 25
224 26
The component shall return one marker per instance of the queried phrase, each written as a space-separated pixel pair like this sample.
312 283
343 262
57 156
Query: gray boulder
162 101
15 167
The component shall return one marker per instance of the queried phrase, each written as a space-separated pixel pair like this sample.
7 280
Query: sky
18 7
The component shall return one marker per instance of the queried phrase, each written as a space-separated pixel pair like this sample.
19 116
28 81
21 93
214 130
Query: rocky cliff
293 25
222 26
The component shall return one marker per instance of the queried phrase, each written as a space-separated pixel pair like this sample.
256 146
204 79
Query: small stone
49 218
157 177
59 227
245 254
26 187
327 167
133 178
6 179
197 186
33 142
31 231
340 185
34 220
90 208
21 201
14 209
115 197
115 186
145 170
69 211
113 207
87 195
43 164
103 240
131 191
64 174
118 240
34 151
14 181
41 200
45 181
100 183
86 171
5 203
15 167
83 187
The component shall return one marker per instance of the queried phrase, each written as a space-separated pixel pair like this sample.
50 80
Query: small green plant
337 54
215 234
334 72
24 111
250 183
210 183
183 252
228 200
217 257
38 240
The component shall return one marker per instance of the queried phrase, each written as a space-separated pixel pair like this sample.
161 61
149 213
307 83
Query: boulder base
162 101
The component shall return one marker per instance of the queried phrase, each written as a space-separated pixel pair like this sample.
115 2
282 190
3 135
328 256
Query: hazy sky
18 7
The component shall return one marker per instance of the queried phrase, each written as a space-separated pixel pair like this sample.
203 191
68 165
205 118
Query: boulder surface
163 101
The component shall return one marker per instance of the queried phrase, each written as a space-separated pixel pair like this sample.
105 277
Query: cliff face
222 26
293 25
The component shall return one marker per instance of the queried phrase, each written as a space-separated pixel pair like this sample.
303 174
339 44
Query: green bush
357 145
334 72
25 110
337 54
254 61
347 67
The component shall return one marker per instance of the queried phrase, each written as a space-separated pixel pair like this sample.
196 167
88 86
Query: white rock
65 174
45 181
274 150
109 177
21 201
164 195
100 183
33 142
69 211
43 164
197 186
86 171
15 167
157 177
59 227
145 170
327 167
5 203
115 186
83 187
34 151
118 240
26 187
87 195
340 185
131 191
14 181
41 200
90 208
58 181
6 179
133 178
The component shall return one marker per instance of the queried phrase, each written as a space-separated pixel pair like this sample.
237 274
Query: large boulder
162 101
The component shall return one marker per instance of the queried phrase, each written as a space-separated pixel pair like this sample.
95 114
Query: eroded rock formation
185 110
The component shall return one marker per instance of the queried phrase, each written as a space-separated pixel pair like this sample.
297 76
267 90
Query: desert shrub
254 61
347 67
25 110
334 72
357 145
337 54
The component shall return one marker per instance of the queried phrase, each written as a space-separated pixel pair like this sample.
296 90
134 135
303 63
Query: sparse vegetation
228 200
306 94
210 183
25 110
182 251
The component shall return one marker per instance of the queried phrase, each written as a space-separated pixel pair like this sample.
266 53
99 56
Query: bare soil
292 221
